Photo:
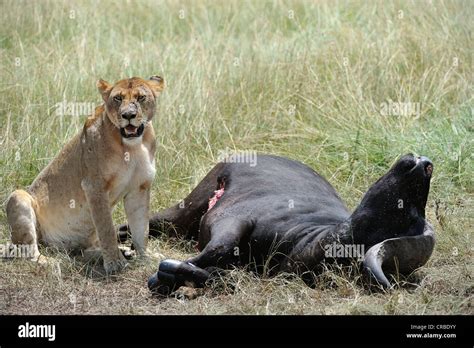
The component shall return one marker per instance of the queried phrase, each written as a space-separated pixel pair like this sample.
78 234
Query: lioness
69 204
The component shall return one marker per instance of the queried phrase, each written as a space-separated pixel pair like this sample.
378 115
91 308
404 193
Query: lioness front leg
136 205
99 206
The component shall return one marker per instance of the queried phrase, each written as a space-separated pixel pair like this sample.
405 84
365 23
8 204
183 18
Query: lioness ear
104 89
157 84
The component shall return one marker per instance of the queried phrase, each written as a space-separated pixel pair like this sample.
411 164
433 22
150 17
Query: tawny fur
69 204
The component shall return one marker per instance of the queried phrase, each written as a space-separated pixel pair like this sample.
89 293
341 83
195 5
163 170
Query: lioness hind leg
22 220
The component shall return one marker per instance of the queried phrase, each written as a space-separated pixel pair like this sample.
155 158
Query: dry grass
300 79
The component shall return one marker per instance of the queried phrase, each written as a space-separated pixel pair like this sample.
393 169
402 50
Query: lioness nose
129 114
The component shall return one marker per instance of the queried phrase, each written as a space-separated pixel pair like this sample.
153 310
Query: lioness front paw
115 266
45 261
127 253
188 293
151 256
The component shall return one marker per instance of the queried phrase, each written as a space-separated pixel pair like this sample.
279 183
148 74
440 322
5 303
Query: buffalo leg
221 251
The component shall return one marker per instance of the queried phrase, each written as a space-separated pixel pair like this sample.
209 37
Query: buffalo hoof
159 286
173 274
123 234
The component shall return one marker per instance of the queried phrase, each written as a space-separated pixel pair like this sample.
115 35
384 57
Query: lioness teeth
131 129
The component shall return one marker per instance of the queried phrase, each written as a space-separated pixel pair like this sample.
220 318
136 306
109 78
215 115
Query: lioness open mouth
131 131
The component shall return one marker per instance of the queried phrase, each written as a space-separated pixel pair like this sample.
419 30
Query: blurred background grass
300 79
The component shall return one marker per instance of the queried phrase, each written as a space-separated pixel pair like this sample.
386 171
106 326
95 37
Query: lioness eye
118 98
141 98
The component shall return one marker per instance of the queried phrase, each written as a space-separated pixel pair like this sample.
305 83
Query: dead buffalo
282 215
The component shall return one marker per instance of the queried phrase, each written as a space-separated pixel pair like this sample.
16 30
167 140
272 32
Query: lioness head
130 103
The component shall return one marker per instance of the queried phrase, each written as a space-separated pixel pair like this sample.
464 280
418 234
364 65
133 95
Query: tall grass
306 80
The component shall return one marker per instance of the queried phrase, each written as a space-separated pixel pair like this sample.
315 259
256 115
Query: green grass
294 78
